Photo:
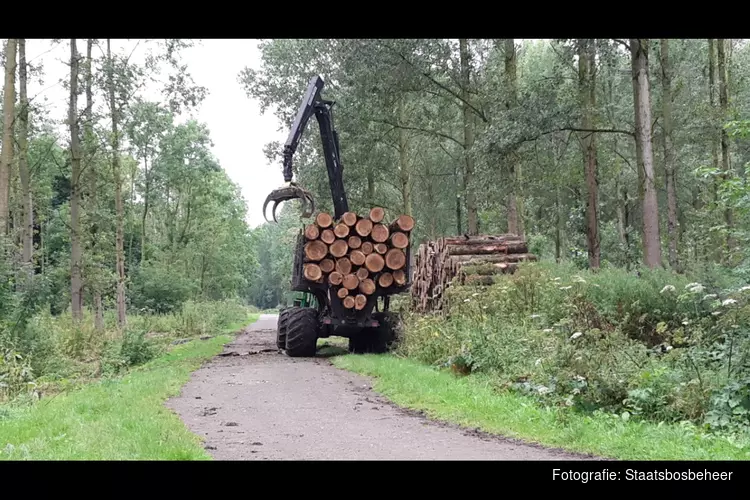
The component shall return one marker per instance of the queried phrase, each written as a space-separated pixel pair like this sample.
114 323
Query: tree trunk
587 89
23 163
714 136
642 104
724 108
146 197
515 212
119 238
403 158
468 117
89 140
669 161
76 253
9 112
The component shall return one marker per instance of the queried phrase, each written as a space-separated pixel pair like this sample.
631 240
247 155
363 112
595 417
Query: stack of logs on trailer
463 260
358 256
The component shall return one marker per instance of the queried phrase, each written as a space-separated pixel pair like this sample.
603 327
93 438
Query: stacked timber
463 260
358 256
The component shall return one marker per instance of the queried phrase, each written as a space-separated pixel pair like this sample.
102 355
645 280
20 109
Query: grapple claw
290 192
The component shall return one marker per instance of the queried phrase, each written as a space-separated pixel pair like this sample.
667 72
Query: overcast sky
238 130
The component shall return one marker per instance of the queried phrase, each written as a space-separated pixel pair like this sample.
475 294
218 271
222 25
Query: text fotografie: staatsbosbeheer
640 475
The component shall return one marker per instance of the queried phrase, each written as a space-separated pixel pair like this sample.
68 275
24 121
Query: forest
622 163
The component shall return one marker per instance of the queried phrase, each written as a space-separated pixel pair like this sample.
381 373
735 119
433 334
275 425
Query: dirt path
265 405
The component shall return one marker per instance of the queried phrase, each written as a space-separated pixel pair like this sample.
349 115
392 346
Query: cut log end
377 214
312 272
403 223
327 265
315 250
348 302
357 257
363 227
327 236
341 230
350 282
395 259
344 266
312 232
362 273
379 233
335 278
399 240
342 292
374 263
339 248
381 248
355 242
366 248
324 219
385 280
399 277
360 301
349 218
367 286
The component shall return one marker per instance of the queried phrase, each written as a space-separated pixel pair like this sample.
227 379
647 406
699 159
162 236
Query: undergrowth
651 346
51 352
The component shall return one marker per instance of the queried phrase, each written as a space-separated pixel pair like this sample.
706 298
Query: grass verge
471 401
119 418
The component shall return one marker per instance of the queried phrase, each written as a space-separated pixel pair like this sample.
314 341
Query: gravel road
254 403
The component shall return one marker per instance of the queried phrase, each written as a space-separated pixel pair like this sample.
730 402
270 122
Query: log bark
324 220
379 233
342 292
367 286
381 248
367 248
374 263
338 248
312 232
327 265
351 282
395 259
478 259
377 214
357 257
362 273
335 278
399 240
404 223
355 242
385 280
348 302
315 250
344 266
349 218
312 272
488 249
363 227
327 236
360 301
489 269
482 239
341 230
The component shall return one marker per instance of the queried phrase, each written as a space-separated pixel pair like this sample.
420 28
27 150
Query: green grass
471 401
121 418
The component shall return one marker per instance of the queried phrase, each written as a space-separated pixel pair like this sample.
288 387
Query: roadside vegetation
648 365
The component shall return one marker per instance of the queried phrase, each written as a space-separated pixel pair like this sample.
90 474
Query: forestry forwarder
319 312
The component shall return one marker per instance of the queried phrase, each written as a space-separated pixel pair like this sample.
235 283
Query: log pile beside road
358 256
463 260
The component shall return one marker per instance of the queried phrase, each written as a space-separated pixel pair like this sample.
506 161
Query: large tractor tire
378 340
302 332
281 327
